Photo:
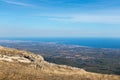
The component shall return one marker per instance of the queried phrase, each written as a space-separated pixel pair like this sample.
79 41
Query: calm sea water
90 42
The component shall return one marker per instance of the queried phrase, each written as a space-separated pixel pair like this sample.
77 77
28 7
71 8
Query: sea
89 42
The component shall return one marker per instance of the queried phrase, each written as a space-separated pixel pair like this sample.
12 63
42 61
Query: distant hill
22 65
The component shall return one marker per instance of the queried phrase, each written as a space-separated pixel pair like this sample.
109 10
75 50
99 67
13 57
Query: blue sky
59 18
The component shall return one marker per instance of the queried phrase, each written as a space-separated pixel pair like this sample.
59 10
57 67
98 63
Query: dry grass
42 70
24 71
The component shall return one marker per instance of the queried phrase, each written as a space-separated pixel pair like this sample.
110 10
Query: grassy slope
20 71
28 71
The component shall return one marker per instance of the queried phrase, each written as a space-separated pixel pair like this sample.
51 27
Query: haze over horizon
59 18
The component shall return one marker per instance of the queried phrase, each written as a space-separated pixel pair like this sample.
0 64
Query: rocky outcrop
12 55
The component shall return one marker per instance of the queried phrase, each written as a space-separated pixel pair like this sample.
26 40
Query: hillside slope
22 65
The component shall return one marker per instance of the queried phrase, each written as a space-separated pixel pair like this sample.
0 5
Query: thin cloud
97 19
108 19
18 3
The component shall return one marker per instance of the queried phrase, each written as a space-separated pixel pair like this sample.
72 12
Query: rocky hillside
22 65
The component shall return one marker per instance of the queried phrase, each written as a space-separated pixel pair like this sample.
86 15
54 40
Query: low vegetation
98 60
38 69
